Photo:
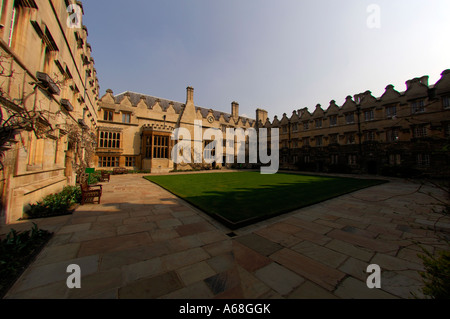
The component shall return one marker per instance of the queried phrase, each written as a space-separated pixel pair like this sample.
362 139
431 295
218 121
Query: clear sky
277 55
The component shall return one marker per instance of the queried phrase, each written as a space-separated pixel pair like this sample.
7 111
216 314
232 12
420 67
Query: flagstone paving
143 242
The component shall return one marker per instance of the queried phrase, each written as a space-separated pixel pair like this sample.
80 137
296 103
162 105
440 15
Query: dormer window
318 123
350 118
333 120
417 107
108 115
126 118
306 126
446 102
369 115
391 111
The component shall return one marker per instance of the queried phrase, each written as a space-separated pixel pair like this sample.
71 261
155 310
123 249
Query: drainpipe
358 108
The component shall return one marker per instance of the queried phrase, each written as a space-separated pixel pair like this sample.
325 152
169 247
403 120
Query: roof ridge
147 95
197 107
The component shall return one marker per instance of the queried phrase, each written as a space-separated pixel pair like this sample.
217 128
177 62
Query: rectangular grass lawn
239 199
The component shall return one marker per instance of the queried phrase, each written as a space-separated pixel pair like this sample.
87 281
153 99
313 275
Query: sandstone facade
48 79
405 132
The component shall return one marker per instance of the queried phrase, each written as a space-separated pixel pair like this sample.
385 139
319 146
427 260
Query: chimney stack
190 95
261 116
424 80
235 111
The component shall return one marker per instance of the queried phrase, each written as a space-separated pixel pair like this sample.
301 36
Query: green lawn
239 199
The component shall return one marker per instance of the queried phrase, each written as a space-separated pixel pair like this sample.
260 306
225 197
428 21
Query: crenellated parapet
158 127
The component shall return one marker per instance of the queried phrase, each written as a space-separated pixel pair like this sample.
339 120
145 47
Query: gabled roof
390 94
318 112
349 105
443 84
333 109
135 98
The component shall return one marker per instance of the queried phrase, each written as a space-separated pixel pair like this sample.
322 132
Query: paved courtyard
143 242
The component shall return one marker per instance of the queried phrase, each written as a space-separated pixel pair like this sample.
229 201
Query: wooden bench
90 192
105 176
119 170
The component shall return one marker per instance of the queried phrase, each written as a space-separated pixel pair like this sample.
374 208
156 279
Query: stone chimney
189 112
235 111
424 80
261 116
190 95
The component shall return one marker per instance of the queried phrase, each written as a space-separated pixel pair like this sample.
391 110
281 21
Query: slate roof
135 98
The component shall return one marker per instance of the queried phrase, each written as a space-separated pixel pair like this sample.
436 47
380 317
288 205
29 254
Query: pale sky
277 55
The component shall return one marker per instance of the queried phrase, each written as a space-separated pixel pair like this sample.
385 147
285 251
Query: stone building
48 99
399 133
53 123
135 129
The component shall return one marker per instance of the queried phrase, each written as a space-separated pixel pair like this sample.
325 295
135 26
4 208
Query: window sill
117 123
34 168
109 150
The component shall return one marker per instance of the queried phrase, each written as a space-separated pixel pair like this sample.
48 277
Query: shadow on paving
240 207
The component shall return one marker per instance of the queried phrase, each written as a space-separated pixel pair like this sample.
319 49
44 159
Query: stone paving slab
279 278
259 244
144 242
308 268
151 288
117 243
309 290
322 254
352 288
